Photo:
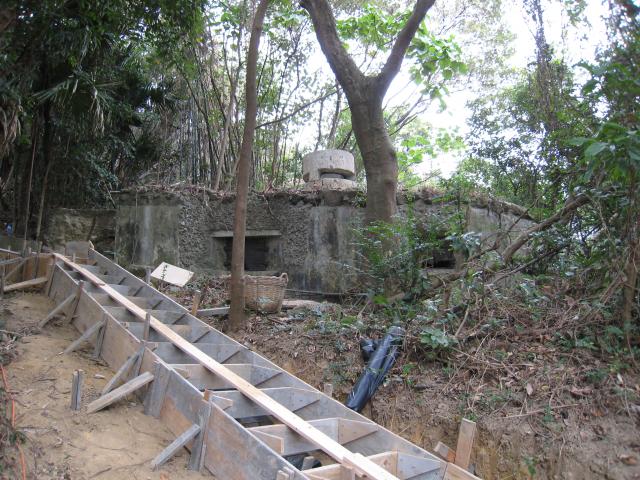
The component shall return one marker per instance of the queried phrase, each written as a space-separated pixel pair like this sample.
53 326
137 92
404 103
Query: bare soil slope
114 444
594 437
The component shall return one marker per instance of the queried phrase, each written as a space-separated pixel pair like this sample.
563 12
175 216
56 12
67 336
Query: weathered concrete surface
328 161
309 235
490 223
66 224
146 232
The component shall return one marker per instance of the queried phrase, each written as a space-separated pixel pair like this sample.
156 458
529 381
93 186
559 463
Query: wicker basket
265 294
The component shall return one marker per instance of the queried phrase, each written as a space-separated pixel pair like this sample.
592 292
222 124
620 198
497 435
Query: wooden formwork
239 414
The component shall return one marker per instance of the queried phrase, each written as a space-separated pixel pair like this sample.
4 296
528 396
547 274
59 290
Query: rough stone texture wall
65 225
307 234
147 230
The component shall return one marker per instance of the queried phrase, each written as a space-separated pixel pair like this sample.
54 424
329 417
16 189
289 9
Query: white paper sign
168 273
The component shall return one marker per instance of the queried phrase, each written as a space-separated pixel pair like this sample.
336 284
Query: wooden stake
465 443
196 462
120 392
147 327
74 305
97 351
51 272
85 336
155 395
445 452
2 282
327 389
57 309
196 302
122 371
179 443
76 389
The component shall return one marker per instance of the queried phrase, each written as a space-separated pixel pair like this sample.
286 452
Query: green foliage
436 339
434 61
372 26
419 142
87 87
395 254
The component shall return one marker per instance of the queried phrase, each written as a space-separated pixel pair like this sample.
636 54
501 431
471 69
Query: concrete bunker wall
309 235
68 224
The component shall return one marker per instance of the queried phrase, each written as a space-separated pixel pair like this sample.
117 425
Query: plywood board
165 272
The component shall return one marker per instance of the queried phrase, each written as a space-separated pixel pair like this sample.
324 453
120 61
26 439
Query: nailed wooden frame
181 401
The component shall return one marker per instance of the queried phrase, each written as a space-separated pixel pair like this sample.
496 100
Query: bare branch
394 61
561 215
324 23
297 110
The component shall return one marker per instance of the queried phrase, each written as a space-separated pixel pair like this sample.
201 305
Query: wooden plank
196 333
339 429
173 448
274 442
74 305
120 392
412 466
57 310
210 312
454 472
290 398
466 436
85 336
155 396
197 296
16 269
11 261
35 282
170 353
448 454
385 460
198 448
121 373
76 389
203 379
361 465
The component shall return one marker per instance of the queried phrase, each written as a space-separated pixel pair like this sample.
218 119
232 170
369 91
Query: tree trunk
236 313
364 95
47 145
34 147
215 185
378 156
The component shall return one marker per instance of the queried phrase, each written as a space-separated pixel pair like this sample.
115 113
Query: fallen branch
543 410
561 215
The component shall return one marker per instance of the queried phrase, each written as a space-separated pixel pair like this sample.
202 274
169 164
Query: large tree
236 314
365 94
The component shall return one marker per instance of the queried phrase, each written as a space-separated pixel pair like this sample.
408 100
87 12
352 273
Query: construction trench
238 414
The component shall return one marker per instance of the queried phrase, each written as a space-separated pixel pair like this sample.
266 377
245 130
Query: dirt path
116 443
